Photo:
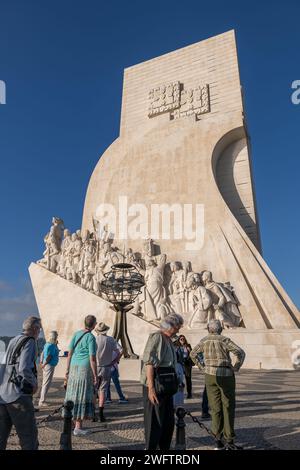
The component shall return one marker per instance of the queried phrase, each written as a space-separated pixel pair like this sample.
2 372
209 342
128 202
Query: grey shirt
25 367
106 345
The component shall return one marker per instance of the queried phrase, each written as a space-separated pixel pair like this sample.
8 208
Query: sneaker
123 400
205 416
81 432
219 446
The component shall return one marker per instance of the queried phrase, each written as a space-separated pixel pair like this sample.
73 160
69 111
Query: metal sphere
122 284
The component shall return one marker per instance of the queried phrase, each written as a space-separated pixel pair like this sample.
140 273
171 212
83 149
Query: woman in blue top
81 374
49 360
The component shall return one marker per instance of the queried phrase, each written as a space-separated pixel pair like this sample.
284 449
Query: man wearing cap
106 347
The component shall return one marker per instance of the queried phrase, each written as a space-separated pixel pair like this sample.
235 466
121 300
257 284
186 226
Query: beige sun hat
101 328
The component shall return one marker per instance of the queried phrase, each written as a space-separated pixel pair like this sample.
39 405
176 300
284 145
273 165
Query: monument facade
178 181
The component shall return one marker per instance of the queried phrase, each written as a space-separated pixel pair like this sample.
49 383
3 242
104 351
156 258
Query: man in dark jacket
18 382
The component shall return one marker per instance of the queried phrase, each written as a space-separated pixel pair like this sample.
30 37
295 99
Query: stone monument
183 161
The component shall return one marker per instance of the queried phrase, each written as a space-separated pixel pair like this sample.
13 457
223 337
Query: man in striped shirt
212 356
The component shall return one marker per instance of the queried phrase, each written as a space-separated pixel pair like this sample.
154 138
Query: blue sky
62 62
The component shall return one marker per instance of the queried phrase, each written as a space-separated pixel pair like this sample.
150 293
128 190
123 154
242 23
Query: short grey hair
52 337
215 326
171 321
30 323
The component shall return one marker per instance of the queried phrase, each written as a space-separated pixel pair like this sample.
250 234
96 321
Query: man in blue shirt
49 360
18 382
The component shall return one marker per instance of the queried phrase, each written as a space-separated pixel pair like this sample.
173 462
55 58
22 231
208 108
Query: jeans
115 377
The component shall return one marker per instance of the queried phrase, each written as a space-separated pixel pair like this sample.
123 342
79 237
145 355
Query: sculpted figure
52 254
131 258
69 258
56 233
87 263
147 250
223 302
53 245
45 260
189 285
177 287
154 289
61 268
163 309
74 255
202 306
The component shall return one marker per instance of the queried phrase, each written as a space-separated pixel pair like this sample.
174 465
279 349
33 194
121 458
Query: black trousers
159 422
188 379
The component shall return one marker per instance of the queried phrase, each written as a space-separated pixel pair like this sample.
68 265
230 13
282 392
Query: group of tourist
92 363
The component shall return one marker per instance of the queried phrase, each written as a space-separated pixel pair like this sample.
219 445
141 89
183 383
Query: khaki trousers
221 399
48 372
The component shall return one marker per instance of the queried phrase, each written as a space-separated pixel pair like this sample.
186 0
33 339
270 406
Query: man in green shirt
158 407
212 356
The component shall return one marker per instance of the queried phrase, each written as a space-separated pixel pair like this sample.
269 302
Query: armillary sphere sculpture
121 287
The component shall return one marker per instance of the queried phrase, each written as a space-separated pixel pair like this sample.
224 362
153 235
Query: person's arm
70 354
42 358
194 355
92 345
93 364
238 352
150 383
117 358
26 364
48 359
151 360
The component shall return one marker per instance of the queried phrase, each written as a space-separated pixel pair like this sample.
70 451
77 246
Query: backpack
24 386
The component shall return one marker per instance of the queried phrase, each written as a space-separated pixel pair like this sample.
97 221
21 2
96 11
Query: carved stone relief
169 286
179 102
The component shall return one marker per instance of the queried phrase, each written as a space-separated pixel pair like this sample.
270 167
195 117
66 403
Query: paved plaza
267 416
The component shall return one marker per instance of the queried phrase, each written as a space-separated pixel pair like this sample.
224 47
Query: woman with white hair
49 360
160 383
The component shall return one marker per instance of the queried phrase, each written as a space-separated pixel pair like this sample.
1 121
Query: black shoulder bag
24 386
165 378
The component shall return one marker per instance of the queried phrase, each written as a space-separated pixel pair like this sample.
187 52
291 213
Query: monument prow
183 147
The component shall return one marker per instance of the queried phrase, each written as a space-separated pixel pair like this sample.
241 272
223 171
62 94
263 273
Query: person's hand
95 379
152 396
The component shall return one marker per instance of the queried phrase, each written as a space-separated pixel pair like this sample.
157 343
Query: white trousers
48 372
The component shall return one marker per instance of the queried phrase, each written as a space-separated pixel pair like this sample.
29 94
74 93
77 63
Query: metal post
120 332
180 429
66 435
